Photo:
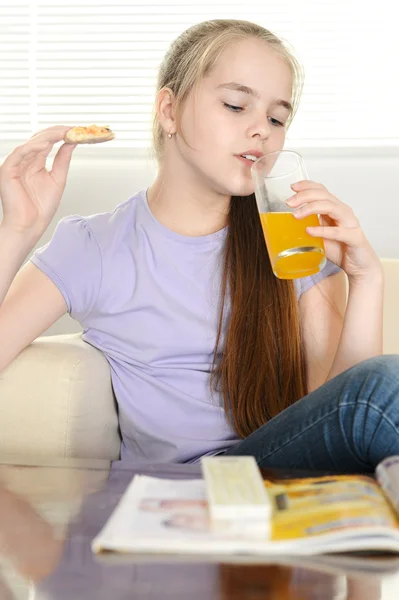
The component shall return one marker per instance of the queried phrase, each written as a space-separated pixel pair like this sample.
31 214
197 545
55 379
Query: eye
233 108
276 123
237 109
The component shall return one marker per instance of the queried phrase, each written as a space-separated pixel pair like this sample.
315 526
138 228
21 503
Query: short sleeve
72 260
305 283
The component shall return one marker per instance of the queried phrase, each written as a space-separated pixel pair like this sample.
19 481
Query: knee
376 381
373 420
384 367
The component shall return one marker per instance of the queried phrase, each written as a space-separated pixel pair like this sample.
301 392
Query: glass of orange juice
293 252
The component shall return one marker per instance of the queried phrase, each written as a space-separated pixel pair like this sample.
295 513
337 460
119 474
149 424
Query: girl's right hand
30 194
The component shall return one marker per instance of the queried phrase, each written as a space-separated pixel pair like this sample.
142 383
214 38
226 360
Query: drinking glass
293 253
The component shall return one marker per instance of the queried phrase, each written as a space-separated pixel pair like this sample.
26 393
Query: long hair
261 368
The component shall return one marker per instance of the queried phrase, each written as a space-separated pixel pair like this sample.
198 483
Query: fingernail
290 201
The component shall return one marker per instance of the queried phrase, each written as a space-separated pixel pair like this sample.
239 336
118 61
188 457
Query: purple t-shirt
147 297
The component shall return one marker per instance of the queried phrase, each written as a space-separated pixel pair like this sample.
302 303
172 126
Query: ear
166 109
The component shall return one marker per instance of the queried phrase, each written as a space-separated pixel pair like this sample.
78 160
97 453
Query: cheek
218 131
210 131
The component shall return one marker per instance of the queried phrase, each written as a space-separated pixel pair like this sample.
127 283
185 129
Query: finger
61 164
34 149
33 158
346 235
310 196
15 158
305 184
341 213
325 220
57 130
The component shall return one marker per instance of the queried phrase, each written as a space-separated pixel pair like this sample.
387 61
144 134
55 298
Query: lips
246 161
252 152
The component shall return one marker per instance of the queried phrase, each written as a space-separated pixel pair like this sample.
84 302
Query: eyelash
233 109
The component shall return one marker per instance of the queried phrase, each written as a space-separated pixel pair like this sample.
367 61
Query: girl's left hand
344 241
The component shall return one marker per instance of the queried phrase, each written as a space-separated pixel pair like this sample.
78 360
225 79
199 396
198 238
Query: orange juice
293 252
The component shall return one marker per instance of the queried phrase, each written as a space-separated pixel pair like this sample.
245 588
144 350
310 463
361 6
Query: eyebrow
239 87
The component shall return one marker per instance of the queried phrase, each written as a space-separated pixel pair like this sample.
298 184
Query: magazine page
310 516
306 507
161 514
346 563
387 474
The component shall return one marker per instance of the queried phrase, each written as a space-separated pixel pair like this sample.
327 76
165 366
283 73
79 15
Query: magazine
349 564
330 514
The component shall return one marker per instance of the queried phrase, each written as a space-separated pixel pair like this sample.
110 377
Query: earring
170 136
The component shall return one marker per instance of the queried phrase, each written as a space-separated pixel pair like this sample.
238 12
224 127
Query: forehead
254 63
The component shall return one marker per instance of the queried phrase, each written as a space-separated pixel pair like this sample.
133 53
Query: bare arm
29 301
357 336
32 304
322 310
14 248
361 336
338 334
30 196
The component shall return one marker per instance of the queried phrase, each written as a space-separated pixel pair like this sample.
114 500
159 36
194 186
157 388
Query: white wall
366 179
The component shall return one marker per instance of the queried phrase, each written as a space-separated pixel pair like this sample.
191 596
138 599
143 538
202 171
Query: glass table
50 509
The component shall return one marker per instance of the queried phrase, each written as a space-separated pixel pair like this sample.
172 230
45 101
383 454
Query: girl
209 351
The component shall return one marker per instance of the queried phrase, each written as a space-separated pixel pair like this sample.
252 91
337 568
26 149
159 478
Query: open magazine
318 515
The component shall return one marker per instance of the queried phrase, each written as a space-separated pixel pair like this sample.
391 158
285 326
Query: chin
241 186
234 186
245 189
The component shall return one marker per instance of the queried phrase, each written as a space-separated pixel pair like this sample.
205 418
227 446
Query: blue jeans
349 424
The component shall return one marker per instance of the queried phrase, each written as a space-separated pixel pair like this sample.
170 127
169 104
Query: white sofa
57 398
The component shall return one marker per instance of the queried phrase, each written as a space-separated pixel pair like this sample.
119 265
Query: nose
261 129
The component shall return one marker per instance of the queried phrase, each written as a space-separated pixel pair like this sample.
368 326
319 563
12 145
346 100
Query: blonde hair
193 54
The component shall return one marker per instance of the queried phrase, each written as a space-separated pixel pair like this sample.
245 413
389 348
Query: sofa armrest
57 400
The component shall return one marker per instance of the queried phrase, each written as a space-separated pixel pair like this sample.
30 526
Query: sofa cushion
57 400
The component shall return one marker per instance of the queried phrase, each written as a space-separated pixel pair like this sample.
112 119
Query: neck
185 206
